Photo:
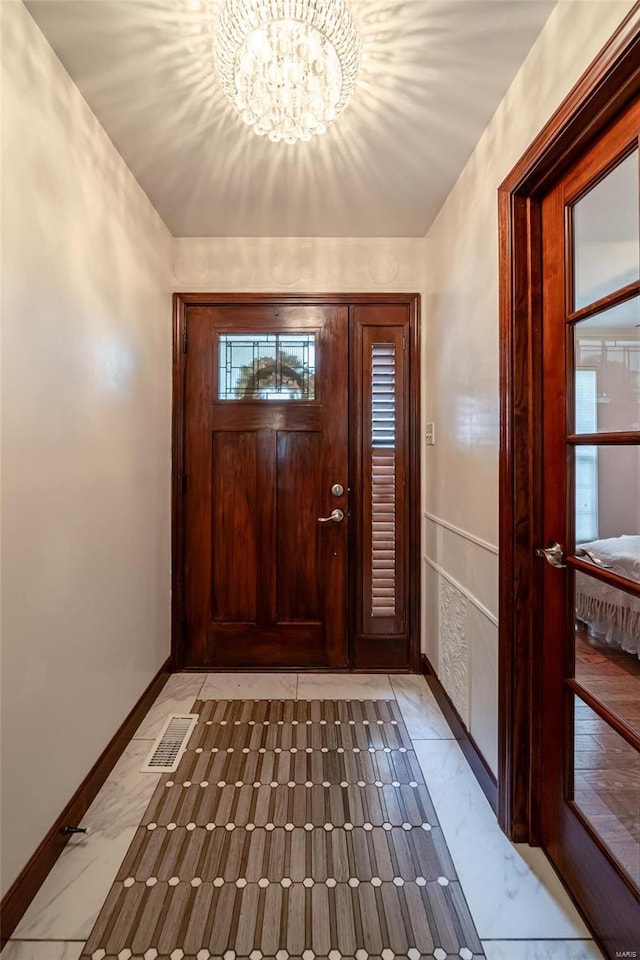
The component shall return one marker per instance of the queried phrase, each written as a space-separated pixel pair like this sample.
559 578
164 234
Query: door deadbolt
337 489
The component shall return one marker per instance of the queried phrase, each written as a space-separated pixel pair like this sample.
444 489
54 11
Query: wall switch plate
430 434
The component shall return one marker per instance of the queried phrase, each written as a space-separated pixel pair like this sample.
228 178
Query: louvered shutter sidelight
383 480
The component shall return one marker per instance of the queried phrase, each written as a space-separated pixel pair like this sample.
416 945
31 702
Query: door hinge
185 338
404 343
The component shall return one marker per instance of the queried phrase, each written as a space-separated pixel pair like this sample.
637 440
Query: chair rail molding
471 537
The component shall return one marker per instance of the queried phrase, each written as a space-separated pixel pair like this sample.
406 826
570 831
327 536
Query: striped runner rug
297 829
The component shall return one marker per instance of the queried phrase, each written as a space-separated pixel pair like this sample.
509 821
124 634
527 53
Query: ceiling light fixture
289 67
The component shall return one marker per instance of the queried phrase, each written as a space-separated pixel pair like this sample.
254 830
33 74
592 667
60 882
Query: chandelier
289 67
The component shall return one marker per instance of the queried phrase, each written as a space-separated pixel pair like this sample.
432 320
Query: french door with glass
590 625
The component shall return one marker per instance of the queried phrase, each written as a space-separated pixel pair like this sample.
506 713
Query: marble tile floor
519 907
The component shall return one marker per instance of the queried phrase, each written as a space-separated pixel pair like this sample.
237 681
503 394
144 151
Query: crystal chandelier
289 67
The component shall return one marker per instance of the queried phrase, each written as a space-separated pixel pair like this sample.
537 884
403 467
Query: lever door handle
553 554
337 516
581 552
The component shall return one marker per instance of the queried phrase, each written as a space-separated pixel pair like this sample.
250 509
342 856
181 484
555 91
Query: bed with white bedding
611 615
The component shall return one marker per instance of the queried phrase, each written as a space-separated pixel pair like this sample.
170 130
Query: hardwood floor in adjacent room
607 769
611 675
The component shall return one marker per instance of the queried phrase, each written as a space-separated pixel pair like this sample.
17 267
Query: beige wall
618 484
307 264
86 378
461 332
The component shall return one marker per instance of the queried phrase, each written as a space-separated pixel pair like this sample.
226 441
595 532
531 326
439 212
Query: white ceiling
434 72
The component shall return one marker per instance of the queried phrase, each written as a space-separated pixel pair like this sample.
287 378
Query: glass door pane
606 786
606 250
607 507
266 366
606 658
607 370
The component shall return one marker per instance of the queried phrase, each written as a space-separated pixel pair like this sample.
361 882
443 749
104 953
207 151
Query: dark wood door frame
181 302
610 83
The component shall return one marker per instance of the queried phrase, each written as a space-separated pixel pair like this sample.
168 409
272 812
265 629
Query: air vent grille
168 749
383 480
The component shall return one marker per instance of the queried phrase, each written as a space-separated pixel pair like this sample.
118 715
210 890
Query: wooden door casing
401 655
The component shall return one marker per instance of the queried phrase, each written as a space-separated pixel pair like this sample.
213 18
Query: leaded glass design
270 366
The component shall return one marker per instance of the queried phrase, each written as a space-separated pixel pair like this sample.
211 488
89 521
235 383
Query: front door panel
266 439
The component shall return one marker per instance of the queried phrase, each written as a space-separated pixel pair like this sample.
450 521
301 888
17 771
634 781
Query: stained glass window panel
270 366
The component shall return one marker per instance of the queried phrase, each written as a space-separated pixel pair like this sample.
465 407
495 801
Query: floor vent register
171 744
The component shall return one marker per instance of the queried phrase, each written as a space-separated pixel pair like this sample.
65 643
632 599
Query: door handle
553 554
337 516
581 552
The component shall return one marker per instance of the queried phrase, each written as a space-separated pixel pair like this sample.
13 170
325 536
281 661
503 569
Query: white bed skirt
611 615
612 623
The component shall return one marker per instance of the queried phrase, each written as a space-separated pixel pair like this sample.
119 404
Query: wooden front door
266 463
590 625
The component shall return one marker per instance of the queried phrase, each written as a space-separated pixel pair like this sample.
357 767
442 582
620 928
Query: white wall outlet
430 434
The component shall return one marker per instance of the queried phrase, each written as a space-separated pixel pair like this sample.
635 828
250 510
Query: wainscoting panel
431 613
454 647
483 686
460 624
